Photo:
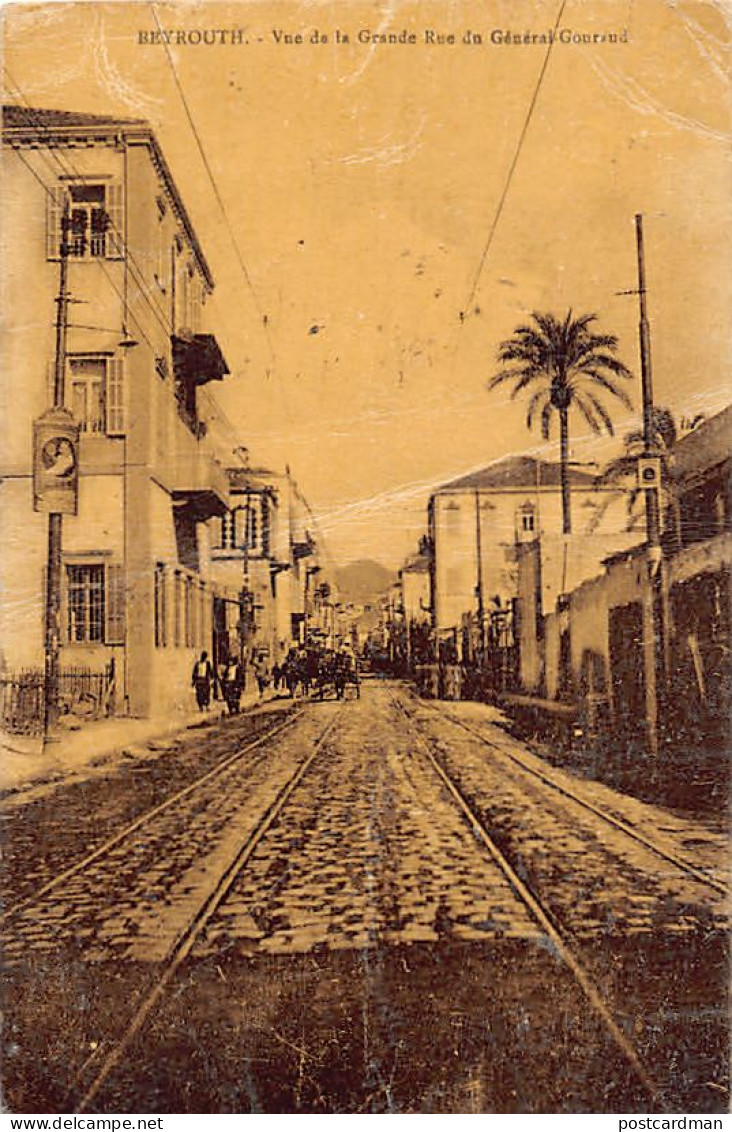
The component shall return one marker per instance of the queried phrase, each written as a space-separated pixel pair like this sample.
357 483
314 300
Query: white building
137 586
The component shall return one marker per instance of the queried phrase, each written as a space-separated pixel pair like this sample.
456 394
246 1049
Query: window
88 378
89 220
86 604
161 637
96 394
241 528
96 219
163 258
526 519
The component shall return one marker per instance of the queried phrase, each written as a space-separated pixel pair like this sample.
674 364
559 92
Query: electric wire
512 168
219 200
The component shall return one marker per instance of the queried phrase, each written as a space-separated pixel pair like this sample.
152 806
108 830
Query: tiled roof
517 471
16 116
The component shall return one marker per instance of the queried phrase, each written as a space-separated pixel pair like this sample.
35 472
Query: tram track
190 933
111 843
618 824
542 916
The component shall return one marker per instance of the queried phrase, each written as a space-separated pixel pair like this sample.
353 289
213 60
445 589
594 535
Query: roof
57 126
252 479
709 444
15 116
517 472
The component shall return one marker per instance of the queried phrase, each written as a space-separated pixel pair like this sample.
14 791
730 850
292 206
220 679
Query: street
370 905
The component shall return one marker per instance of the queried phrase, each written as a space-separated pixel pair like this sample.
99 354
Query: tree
622 471
562 364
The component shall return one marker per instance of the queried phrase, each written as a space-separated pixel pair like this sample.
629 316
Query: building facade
477 525
137 588
263 550
591 648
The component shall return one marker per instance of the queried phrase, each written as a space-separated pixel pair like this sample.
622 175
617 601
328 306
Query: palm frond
537 399
600 379
605 361
601 411
619 468
587 413
526 378
546 417
515 374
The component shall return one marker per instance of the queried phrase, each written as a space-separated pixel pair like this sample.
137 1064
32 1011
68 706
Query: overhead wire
49 192
69 169
512 167
222 417
235 243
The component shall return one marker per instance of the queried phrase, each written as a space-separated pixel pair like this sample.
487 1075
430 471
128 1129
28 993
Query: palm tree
623 469
562 364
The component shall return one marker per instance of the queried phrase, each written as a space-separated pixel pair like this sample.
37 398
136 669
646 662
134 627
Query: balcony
199 482
197 359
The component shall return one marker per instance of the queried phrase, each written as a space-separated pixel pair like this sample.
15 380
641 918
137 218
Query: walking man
201 681
232 686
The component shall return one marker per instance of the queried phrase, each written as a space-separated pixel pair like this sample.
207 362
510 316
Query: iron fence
82 693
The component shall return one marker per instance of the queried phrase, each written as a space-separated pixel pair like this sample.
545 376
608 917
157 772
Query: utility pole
479 581
652 611
55 519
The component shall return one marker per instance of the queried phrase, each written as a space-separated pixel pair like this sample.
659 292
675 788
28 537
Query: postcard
365 481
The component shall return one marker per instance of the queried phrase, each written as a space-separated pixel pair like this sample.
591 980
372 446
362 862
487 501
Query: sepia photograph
365 563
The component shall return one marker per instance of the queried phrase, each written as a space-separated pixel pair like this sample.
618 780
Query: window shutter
55 203
116 231
115 397
115 605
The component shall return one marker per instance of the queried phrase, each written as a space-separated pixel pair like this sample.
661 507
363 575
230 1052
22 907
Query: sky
362 185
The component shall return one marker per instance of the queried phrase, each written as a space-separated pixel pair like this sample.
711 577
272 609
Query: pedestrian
260 672
276 677
201 681
231 684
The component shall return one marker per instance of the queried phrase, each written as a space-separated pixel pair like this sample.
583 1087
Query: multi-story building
263 549
476 522
136 576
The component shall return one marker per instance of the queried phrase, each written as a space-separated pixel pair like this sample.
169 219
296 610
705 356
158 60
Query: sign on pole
56 463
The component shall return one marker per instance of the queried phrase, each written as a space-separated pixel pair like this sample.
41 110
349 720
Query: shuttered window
115 628
97 216
115 397
116 213
55 202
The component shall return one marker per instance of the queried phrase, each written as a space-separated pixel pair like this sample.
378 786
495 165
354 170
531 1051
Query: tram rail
8 914
660 851
541 915
197 923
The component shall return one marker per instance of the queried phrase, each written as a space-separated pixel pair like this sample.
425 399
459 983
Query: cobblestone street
372 886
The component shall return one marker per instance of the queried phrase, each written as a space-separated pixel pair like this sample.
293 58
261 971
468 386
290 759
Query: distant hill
363 580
